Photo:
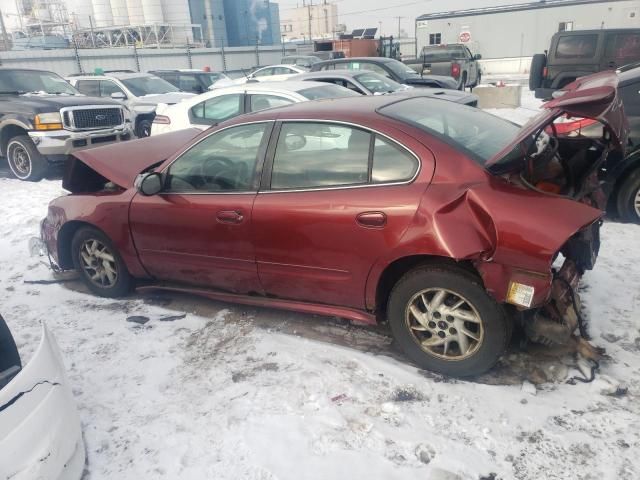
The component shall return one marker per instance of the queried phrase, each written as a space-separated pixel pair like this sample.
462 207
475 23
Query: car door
215 110
473 67
107 88
197 231
335 198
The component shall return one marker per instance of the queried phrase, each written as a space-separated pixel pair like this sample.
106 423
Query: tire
144 128
478 80
25 161
489 329
536 72
628 201
87 244
463 82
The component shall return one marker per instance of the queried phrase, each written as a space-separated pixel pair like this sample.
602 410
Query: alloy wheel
20 160
636 202
444 324
99 263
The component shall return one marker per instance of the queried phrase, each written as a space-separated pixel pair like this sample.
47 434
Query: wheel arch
65 238
620 176
396 269
8 131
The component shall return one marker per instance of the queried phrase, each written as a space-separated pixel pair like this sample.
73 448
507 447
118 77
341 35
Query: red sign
465 37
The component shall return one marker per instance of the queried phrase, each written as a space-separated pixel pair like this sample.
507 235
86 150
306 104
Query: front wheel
99 263
629 199
445 321
144 128
25 161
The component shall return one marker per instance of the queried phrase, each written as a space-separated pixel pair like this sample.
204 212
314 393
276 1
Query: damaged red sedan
446 222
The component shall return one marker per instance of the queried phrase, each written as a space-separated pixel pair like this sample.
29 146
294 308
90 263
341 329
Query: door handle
229 216
371 219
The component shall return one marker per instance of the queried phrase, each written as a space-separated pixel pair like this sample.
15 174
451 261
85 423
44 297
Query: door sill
353 314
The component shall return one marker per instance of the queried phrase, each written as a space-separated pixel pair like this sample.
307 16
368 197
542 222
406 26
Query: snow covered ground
230 392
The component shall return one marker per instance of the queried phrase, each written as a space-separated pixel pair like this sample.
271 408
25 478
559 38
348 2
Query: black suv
578 53
388 67
193 81
43 119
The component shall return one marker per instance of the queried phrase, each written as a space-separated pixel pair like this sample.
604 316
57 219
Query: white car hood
40 433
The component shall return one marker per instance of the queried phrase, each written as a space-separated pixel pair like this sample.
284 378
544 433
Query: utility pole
5 38
309 18
398 27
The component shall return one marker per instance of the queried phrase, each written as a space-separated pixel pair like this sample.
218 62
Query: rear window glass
577 46
327 91
479 134
441 54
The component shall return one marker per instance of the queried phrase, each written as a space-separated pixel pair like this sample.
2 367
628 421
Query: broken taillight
545 72
572 126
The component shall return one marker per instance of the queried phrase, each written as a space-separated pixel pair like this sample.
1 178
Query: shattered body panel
40 434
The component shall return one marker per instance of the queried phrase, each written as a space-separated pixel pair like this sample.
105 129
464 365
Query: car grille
92 118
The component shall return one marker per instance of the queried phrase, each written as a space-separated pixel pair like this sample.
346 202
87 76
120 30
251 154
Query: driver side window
223 162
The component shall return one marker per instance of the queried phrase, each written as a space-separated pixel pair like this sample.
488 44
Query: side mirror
477 56
149 184
118 96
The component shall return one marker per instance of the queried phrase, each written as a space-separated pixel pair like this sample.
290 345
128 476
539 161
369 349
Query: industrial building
100 23
522 30
311 21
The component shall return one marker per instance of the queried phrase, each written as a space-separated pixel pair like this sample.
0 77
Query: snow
232 392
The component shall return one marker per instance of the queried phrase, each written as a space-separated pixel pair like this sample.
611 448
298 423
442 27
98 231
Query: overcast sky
360 13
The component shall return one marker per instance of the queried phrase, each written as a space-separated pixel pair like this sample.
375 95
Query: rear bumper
40 433
61 143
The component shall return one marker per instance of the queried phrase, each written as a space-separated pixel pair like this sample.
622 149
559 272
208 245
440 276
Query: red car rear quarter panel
108 212
508 231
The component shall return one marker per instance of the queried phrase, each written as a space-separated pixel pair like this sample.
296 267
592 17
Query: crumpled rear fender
509 233
40 434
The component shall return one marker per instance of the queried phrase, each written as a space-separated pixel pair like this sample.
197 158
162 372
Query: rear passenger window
392 163
577 46
319 155
89 87
263 101
217 109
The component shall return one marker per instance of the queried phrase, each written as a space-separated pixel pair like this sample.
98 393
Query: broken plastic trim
20 394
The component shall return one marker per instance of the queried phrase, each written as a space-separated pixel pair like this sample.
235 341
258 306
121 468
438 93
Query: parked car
304 61
574 54
388 67
222 104
455 60
621 175
432 215
370 83
140 92
193 81
272 73
43 119
40 432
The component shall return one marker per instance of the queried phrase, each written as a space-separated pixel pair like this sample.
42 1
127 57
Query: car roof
629 76
598 30
358 59
277 65
183 70
288 86
333 74
117 76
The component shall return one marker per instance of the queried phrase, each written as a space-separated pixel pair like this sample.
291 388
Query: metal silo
120 12
152 11
102 16
176 11
136 14
80 13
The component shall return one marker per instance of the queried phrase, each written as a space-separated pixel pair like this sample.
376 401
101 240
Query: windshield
148 85
33 81
477 133
378 84
401 69
327 91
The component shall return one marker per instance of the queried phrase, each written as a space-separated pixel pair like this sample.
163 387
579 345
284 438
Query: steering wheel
220 165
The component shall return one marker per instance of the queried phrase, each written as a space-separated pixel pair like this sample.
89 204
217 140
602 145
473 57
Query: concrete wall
64 62
525 33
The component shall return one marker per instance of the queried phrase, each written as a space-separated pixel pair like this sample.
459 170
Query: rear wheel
445 321
25 161
629 198
144 128
463 82
99 263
